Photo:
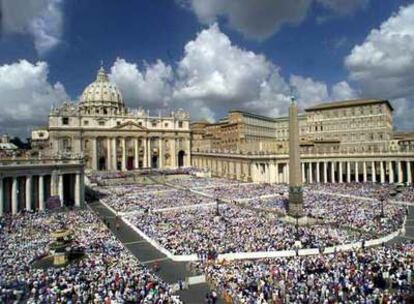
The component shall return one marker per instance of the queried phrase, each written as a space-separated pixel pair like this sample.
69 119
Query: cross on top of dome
101 76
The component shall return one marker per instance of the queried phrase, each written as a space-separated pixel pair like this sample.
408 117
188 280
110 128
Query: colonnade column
149 152
78 190
174 154
41 193
310 173
333 172
364 169
356 172
114 155
341 174
400 173
409 176
348 172
382 172
373 172
29 193
14 196
325 172
123 149
390 172
60 185
303 173
1 197
161 153
145 146
318 175
108 154
136 154
94 154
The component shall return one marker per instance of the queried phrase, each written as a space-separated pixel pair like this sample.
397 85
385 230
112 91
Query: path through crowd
170 271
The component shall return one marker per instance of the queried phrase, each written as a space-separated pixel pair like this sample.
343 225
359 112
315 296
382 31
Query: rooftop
348 103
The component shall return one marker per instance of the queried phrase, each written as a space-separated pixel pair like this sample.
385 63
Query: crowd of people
371 190
369 275
239 191
371 216
236 229
107 273
146 199
198 183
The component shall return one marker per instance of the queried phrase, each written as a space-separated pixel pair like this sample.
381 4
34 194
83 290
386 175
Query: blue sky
261 49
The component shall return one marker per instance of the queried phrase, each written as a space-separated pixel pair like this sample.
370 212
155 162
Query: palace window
180 124
65 121
86 122
101 123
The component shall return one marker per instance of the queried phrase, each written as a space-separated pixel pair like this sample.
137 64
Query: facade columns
29 193
114 155
310 175
303 173
78 190
356 172
149 153
173 153
373 172
124 152
94 154
60 186
325 172
108 154
145 146
1 197
348 172
364 169
41 193
333 172
390 172
400 173
318 176
409 174
136 153
14 195
161 153
341 173
382 172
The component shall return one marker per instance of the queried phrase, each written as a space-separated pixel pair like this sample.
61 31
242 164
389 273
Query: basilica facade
112 137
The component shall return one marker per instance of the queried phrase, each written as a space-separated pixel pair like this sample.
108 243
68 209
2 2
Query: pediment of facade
130 125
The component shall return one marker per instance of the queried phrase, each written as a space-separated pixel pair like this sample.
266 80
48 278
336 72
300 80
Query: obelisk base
295 206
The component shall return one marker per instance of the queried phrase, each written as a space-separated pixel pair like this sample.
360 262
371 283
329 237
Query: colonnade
381 171
127 153
273 170
31 191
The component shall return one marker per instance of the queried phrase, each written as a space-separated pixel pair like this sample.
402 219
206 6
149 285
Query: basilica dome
102 96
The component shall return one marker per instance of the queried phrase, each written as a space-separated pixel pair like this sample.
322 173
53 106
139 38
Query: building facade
113 137
346 141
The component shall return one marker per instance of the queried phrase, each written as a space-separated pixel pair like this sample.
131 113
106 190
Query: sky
205 56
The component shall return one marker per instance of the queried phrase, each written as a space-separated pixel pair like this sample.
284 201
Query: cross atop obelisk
295 207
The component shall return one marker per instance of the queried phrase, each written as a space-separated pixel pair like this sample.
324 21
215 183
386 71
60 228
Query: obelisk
295 207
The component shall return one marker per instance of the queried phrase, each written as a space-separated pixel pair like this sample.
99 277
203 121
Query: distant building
341 141
6 145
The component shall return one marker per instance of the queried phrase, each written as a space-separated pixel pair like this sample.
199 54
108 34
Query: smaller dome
102 92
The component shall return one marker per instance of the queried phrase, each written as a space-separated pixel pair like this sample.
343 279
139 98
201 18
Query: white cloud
309 91
256 19
344 7
383 65
343 91
26 96
150 87
260 19
214 76
42 19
